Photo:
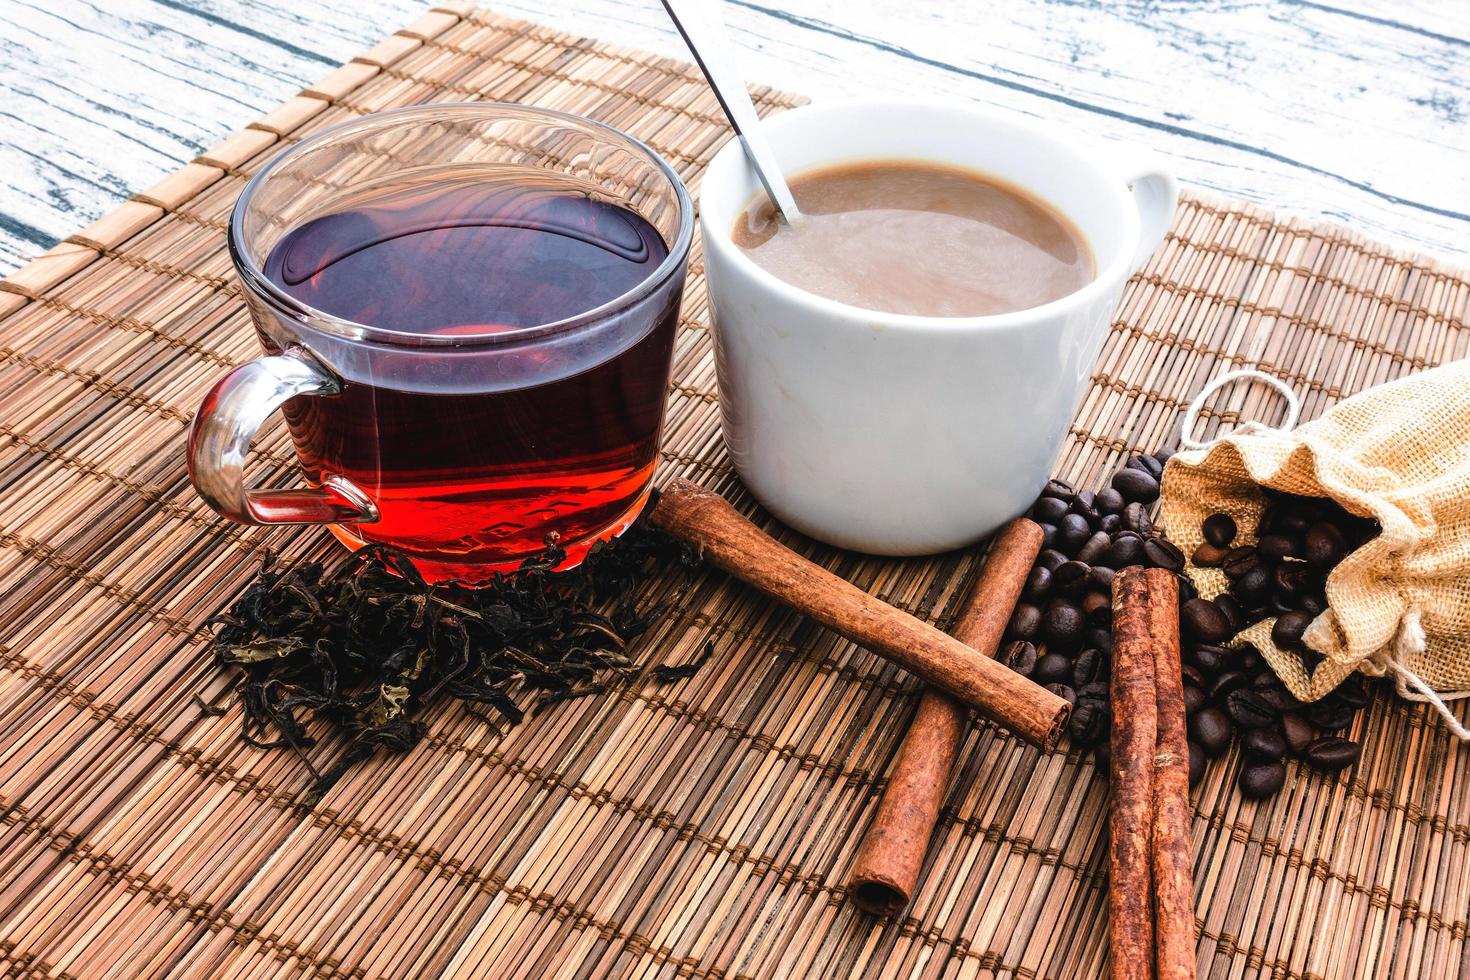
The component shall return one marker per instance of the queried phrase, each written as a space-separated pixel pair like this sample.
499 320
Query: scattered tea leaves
208 710
367 645
677 672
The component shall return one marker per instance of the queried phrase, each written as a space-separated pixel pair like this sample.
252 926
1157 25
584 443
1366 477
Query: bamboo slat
702 830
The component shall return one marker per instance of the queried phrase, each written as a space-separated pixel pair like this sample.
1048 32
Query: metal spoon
705 34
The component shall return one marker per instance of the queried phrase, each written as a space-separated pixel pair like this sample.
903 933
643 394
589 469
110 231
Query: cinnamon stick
732 543
1143 601
892 853
1174 938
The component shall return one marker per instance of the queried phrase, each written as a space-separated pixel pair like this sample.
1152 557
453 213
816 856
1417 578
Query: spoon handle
705 36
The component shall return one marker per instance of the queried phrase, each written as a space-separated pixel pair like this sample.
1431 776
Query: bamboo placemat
699 830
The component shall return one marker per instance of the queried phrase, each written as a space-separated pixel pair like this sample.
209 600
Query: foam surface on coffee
920 238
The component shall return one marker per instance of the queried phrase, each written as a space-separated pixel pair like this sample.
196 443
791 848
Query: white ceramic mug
907 435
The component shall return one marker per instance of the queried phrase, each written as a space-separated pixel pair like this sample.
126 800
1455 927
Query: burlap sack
1399 605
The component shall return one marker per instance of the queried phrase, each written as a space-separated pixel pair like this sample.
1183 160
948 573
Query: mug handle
1156 195
219 438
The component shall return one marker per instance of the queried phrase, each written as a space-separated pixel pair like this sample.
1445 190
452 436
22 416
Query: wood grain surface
1349 110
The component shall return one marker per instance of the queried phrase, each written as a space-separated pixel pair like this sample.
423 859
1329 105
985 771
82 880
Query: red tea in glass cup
469 313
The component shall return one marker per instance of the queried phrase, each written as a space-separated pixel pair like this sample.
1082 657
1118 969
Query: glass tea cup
468 314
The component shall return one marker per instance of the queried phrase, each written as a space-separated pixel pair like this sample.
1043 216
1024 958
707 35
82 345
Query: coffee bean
1110 501
1280 604
1250 658
1084 503
1110 523
1092 550
1089 723
1325 545
1266 523
1275 547
1352 692
1025 622
1312 605
1238 561
1062 624
1207 555
1187 590
1038 584
1048 535
1262 779
1064 692
1219 530
1050 558
1153 465
1100 638
1247 710
1098 609
1329 715
1293 577
1138 486
1136 519
1196 764
1263 680
1253 586
1211 660
1297 731
1231 680
1096 691
1203 621
1279 699
1088 667
1060 489
1295 520
1310 659
1102 756
1051 669
1194 698
1163 553
1211 729
1019 656
1136 462
1192 675
1126 550
1331 754
1230 606
1287 631
1163 456
1100 579
1049 510
1072 532
1070 578
1263 743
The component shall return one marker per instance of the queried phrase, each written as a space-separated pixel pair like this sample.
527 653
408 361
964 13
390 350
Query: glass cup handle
220 435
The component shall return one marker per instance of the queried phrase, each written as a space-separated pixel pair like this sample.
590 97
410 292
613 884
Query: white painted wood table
1350 110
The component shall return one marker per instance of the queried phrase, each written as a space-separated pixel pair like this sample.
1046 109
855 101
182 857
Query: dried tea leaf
259 651
388 706
677 672
366 646
206 709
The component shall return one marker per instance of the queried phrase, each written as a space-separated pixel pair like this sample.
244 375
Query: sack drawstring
1411 640
1192 413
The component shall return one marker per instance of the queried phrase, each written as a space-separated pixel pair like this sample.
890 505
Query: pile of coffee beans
1298 542
1060 633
